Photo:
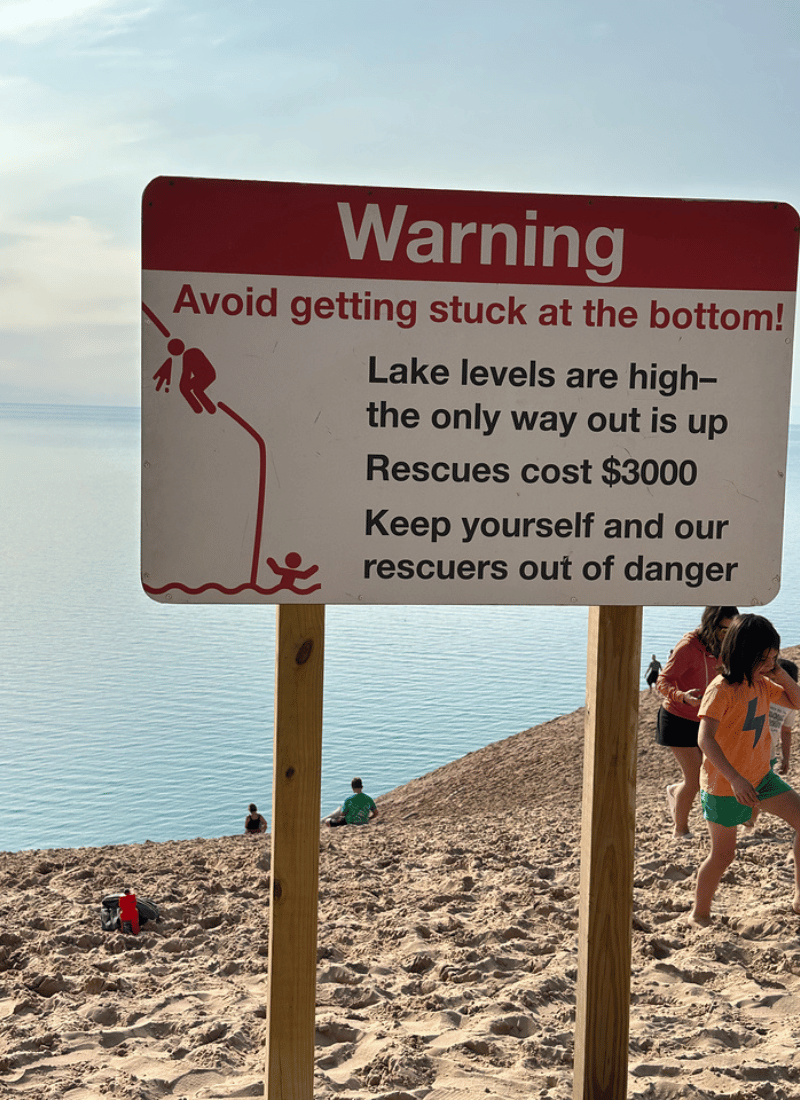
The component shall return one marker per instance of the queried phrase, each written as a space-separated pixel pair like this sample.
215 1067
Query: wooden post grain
297 763
602 1018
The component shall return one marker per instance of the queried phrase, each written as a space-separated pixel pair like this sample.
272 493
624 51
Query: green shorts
725 809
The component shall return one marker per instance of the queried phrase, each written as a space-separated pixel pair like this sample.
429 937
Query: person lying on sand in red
128 913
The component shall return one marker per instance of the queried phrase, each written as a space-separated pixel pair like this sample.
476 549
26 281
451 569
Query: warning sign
404 396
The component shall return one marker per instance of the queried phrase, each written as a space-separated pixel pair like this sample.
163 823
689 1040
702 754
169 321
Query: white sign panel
405 396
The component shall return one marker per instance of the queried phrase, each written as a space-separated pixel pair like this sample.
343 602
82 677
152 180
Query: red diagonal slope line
262 485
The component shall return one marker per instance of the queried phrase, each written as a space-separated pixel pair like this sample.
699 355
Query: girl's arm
791 689
707 742
677 665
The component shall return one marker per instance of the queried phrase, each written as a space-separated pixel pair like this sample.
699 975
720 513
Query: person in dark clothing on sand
653 669
254 823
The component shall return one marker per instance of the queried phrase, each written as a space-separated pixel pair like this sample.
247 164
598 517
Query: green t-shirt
357 809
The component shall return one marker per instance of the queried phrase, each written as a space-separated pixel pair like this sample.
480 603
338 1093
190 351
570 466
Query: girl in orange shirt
735 741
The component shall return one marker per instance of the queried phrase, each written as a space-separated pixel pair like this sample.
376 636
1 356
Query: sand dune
447 951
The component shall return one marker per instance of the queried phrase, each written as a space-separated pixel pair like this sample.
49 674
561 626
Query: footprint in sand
518 1027
334 1031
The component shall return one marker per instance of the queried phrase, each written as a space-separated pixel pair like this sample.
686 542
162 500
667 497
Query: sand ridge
447 951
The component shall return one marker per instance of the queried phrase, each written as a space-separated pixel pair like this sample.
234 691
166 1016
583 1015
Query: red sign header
237 226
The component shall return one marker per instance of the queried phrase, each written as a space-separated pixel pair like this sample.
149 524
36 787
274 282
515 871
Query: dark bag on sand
109 912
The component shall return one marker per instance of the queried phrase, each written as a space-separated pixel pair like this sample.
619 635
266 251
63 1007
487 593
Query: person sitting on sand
734 738
358 809
254 823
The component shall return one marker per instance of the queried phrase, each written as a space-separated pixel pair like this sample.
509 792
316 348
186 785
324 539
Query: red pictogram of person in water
289 573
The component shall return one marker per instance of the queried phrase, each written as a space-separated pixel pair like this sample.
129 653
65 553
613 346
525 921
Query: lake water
123 720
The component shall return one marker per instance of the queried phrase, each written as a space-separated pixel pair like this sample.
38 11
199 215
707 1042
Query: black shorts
678 733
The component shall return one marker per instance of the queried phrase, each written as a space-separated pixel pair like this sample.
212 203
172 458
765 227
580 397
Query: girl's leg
787 807
711 870
682 795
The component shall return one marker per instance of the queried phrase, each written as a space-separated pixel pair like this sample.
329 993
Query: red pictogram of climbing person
197 374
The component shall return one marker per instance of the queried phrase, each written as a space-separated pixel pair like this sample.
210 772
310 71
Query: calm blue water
123 720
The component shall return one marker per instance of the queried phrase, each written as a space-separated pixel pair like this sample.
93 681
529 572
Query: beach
447 950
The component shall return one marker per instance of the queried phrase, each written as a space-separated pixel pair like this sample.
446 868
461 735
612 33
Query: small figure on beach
736 745
690 668
128 913
358 809
254 823
653 669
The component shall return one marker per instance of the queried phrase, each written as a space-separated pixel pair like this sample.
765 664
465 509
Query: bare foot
694 920
796 904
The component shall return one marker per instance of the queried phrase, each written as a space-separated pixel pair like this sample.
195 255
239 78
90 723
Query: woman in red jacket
691 667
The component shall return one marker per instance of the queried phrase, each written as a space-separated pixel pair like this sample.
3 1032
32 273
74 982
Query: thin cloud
65 273
37 20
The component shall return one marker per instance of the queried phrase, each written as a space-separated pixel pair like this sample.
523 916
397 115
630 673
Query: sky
669 98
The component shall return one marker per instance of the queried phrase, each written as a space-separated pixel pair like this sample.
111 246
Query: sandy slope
447 951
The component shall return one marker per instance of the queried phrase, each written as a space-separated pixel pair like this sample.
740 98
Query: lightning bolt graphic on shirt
753 721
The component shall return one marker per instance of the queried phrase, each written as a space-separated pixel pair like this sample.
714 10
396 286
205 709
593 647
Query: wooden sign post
297 763
607 844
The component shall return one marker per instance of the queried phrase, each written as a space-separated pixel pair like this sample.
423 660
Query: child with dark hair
734 738
781 720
